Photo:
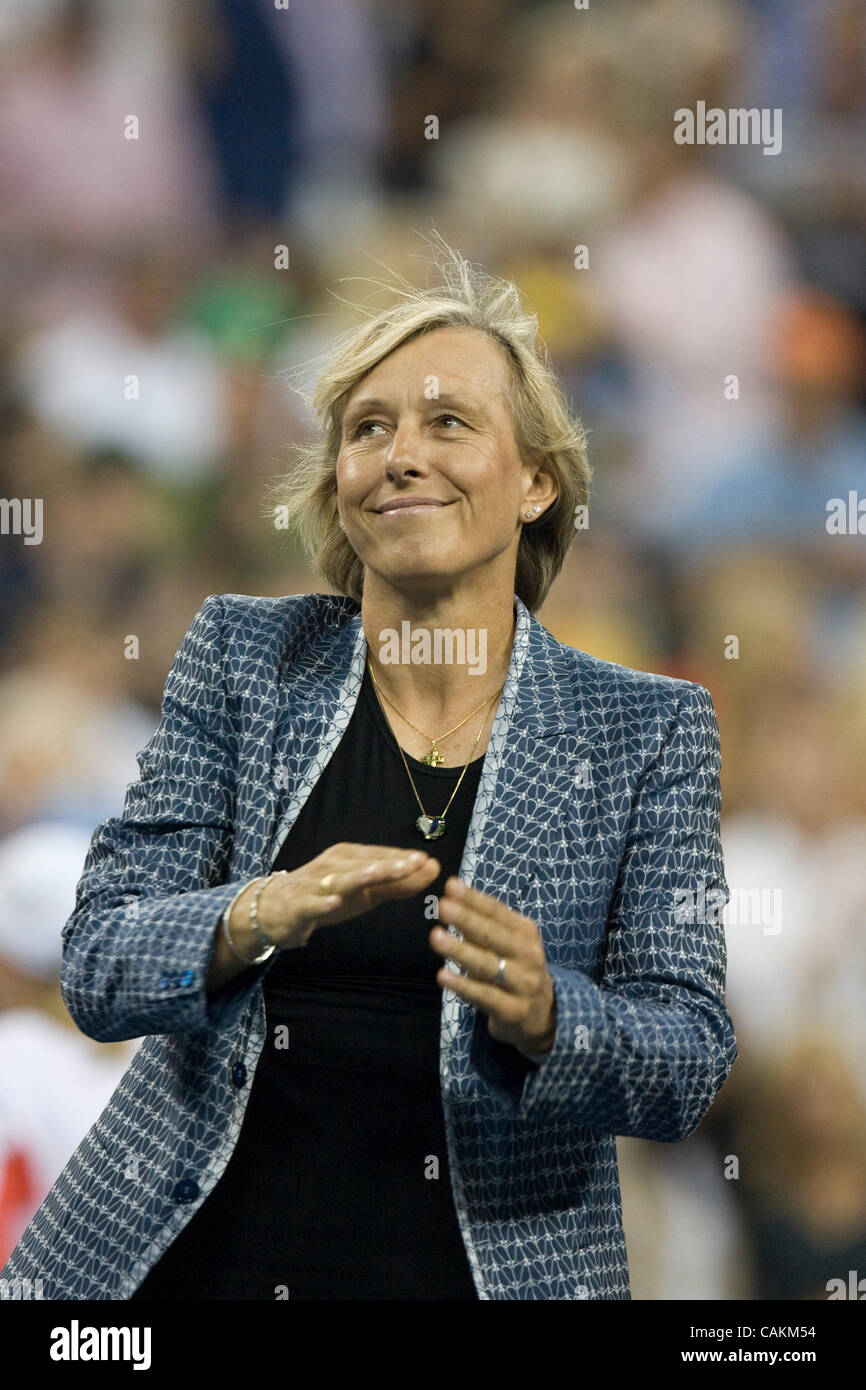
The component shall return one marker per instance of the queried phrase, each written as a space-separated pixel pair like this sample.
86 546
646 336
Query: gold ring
325 883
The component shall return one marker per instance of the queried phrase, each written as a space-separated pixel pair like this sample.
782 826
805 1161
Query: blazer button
239 1073
186 1190
186 978
163 984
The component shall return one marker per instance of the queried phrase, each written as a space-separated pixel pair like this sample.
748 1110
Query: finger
390 863
375 869
483 929
318 904
311 911
482 965
485 904
364 853
406 865
506 1008
406 886
372 876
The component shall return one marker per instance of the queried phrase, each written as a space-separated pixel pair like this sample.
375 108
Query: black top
339 1184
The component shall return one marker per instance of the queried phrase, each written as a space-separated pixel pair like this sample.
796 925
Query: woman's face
432 421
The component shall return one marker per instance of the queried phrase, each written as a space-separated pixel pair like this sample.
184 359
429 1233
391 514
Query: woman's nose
406 447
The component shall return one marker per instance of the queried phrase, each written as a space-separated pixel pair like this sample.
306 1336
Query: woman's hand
356 878
522 1009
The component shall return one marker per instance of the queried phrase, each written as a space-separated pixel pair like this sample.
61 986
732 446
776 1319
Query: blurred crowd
189 191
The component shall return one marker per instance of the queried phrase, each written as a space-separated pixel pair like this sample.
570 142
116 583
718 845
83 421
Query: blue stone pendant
431 827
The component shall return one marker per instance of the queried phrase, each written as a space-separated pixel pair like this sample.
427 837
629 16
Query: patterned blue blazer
597 814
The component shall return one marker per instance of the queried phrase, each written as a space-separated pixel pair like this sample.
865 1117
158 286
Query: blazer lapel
520 845
319 683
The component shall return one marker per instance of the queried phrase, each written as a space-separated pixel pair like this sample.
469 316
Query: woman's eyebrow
359 407
447 398
463 403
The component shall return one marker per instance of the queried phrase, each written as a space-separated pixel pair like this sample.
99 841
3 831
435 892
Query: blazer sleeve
645 1050
138 945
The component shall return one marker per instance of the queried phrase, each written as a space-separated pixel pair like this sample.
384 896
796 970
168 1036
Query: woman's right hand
358 877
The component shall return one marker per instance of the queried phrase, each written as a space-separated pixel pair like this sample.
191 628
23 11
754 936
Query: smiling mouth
414 508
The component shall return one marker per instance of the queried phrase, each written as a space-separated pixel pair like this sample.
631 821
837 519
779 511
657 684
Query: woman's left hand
522 1009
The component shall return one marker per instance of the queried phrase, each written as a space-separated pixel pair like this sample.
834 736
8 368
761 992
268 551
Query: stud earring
529 514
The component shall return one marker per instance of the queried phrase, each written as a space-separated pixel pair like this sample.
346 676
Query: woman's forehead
444 360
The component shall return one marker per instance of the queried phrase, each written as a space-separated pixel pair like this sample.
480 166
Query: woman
403 935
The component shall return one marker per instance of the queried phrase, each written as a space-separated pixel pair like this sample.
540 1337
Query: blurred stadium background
707 555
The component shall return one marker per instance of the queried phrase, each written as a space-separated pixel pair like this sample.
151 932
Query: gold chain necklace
431 827
434 757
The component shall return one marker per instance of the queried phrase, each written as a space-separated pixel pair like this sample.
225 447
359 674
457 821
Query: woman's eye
363 424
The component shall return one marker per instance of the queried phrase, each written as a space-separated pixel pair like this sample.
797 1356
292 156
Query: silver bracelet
258 935
226 917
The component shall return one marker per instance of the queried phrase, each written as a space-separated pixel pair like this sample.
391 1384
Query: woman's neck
439 659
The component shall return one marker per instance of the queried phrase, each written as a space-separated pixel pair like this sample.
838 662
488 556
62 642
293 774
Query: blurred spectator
778 487
444 64
684 1232
794 857
800 1138
336 47
691 277
55 1082
64 754
129 376
543 162
75 172
248 100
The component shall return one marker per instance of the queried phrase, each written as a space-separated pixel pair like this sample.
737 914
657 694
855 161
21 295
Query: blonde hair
545 430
